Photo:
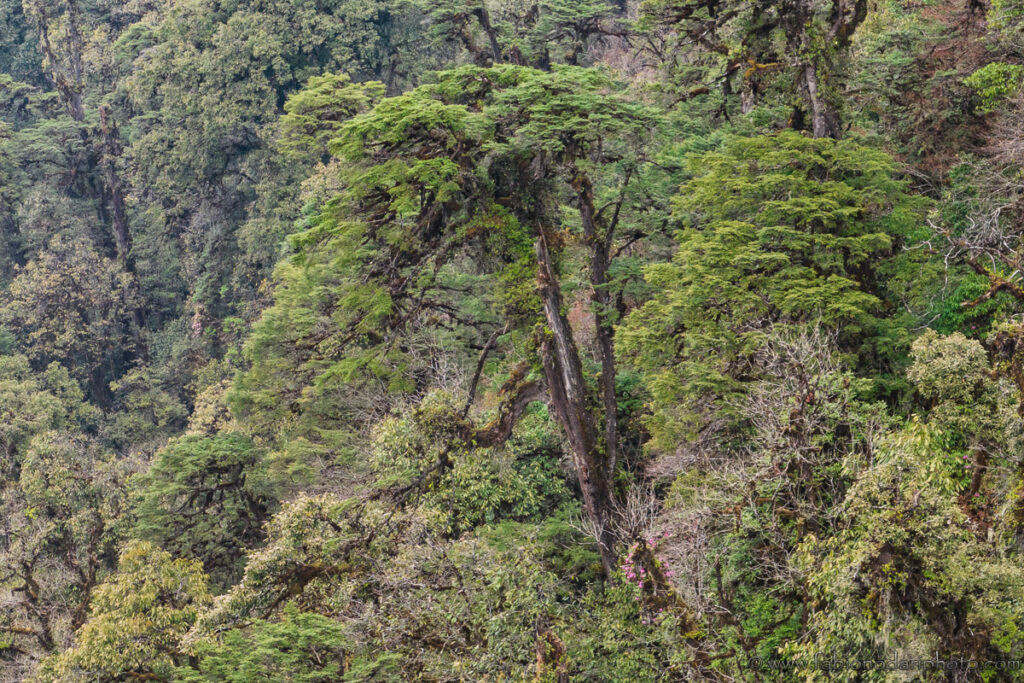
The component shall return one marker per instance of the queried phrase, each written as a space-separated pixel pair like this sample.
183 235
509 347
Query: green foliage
792 57
1005 21
778 230
18 51
205 498
210 82
36 402
324 292
73 306
907 568
623 643
138 618
994 83
424 245
952 375
320 307
63 520
315 114
472 609
309 541
145 415
295 177
62 500
919 105
549 31
521 482
973 321
486 629
302 647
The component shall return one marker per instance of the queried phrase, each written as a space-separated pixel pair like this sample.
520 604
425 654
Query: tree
525 34
137 619
316 542
777 230
210 80
303 647
17 42
46 535
205 498
314 115
488 478
63 31
906 563
951 374
740 502
50 175
74 306
806 39
298 174
434 179
34 403
143 414
61 519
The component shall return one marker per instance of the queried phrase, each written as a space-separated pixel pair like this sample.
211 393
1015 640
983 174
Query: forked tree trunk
598 244
569 399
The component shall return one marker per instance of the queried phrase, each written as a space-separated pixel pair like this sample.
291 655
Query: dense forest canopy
511 340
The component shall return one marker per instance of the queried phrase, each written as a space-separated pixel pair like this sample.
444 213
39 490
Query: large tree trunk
824 117
112 150
844 19
68 79
568 394
599 245
484 17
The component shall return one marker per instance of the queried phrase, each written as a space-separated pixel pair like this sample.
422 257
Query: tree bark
484 17
111 150
599 244
824 117
563 373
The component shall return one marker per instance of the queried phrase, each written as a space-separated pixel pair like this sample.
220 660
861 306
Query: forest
511 340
